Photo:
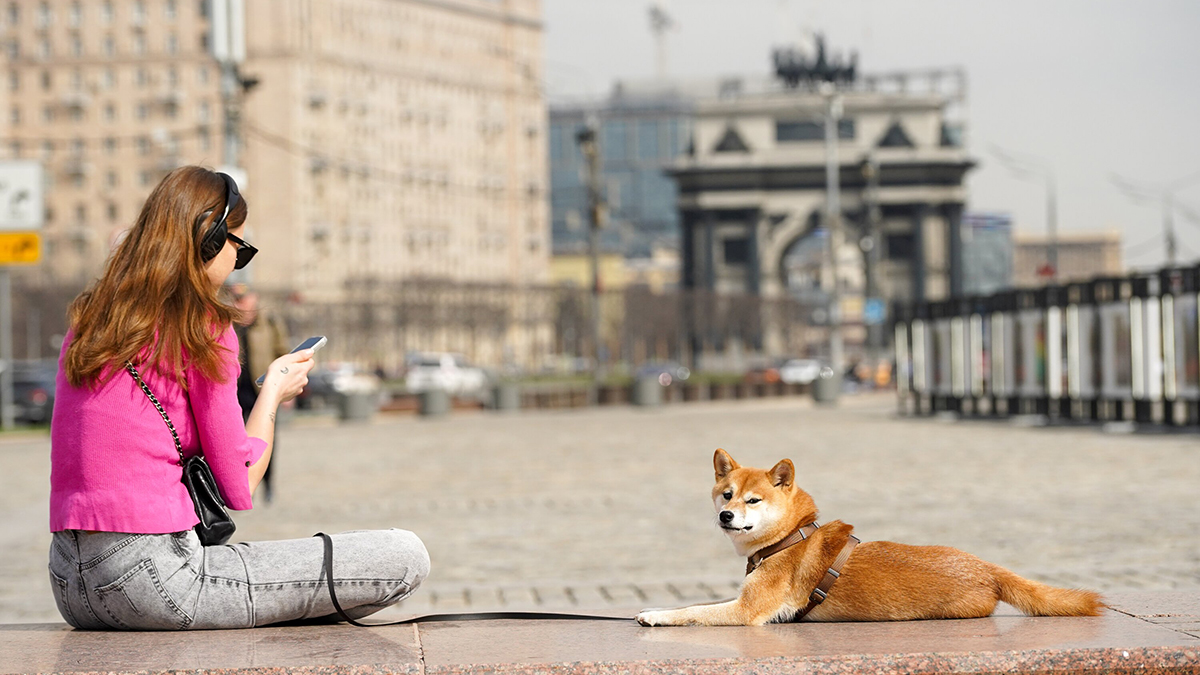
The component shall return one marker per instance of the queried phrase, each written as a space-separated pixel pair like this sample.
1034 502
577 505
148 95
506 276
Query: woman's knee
408 552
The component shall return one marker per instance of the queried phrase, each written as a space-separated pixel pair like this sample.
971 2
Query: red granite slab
56 648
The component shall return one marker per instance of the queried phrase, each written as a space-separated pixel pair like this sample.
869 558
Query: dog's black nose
726 516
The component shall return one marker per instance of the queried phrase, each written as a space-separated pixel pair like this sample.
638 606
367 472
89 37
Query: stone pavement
609 508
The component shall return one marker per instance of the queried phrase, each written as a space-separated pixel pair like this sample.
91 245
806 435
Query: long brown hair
154 300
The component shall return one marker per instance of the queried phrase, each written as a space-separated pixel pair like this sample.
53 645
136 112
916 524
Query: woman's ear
723 464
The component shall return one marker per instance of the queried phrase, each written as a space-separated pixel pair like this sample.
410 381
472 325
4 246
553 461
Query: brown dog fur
882 580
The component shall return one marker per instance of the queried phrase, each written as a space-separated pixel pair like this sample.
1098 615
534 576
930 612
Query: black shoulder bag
215 526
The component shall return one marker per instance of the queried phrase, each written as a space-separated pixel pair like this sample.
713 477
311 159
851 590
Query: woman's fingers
297 357
290 373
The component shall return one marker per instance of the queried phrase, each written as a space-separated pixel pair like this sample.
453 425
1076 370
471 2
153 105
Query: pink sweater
113 464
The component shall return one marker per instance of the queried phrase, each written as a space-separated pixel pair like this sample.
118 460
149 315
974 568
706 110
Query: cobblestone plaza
610 507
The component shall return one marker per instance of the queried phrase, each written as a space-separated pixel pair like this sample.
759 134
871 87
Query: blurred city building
382 141
109 95
1081 256
397 140
752 185
639 296
642 127
987 253
658 272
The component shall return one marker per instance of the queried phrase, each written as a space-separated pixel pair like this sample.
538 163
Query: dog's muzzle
726 518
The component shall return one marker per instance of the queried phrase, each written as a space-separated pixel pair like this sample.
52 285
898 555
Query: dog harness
831 575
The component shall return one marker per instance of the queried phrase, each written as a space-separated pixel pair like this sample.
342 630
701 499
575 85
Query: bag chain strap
159 408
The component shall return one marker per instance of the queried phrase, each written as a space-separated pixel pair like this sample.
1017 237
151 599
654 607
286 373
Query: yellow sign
20 248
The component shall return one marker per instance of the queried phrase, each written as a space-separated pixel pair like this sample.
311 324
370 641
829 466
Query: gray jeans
109 580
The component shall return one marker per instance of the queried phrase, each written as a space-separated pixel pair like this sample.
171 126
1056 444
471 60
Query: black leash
433 618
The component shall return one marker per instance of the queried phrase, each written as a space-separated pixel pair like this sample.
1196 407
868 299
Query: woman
124 555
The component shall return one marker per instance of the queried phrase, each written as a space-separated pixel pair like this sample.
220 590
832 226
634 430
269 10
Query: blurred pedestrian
148 377
863 373
262 338
883 373
853 374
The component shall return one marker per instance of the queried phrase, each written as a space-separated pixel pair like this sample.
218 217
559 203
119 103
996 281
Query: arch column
952 213
754 238
920 214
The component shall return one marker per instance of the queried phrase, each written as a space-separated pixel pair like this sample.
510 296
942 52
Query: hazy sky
1091 86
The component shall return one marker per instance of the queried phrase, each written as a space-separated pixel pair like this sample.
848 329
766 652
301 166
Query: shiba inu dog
798 569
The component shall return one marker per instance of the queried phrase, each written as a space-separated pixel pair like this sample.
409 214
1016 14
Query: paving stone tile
515 509
517 596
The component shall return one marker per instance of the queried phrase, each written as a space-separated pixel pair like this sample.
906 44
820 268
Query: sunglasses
245 252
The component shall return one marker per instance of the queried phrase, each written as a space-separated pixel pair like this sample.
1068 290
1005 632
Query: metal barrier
1109 349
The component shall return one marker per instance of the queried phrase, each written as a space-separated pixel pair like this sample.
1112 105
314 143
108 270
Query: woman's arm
286 378
261 424
238 455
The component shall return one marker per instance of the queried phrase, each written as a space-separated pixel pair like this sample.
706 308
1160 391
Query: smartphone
314 343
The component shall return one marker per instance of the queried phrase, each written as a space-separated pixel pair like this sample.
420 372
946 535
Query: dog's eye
753 500
728 494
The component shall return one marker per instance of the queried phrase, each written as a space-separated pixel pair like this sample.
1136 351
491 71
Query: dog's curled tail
1037 599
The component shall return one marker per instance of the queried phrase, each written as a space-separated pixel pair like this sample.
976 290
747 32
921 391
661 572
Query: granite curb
1144 661
1147 661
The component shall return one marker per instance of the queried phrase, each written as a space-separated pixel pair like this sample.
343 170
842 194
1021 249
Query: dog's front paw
654 617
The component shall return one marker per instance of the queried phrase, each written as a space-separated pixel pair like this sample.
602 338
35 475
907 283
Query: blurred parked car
666 371
800 371
33 390
766 374
326 383
449 372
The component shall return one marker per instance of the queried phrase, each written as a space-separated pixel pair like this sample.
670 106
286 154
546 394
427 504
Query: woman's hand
288 375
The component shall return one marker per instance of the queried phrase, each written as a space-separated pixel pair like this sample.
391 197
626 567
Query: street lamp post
1169 228
833 223
1165 194
586 137
870 247
1035 169
1052 224
228 46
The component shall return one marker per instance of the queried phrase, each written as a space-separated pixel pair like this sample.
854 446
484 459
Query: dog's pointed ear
783 473
723 464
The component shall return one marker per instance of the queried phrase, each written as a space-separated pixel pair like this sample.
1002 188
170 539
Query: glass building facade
638 139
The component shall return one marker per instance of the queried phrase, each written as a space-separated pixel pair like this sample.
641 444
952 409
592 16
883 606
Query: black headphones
214 239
